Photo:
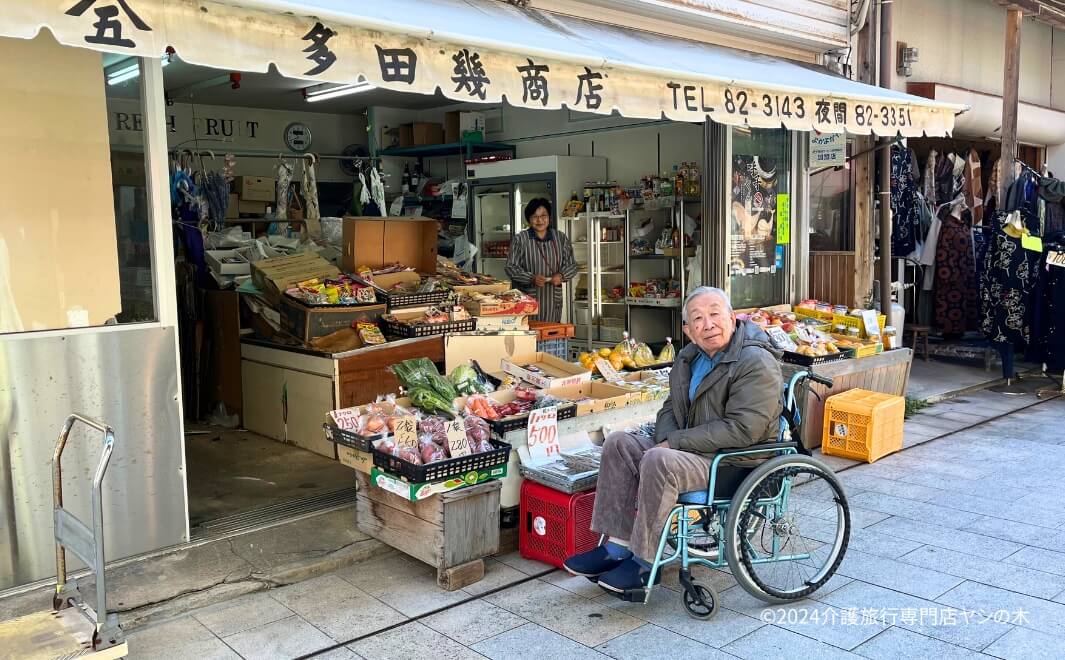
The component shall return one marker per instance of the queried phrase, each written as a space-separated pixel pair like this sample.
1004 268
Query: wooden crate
452 532
888 372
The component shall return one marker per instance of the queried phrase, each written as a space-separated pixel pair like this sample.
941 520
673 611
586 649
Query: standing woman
540 260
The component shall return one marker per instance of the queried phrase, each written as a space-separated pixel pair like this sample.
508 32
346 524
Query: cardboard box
416 492
228 262
553 372
648 385
604 396
232 208
307 323
247 207
353 458
526 306
502 323
256 188
482 288
488 350
274 276
426 133
376 242
406 135
460 126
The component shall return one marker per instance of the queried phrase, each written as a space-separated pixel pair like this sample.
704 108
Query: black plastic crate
408 330
452 467
515 422
350 438
400 300
811 360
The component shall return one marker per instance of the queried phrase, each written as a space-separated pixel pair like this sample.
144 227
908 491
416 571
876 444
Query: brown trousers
638 487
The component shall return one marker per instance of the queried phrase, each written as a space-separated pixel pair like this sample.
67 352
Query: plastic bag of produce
428 400
668 353
421 372
477 434
643 355
467 381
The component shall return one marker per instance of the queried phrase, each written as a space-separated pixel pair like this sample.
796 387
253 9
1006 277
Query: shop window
832 208
760 216
74 231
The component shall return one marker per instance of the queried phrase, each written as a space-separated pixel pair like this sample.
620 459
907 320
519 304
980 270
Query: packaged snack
369 333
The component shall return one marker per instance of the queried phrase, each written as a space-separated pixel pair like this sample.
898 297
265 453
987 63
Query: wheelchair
752 520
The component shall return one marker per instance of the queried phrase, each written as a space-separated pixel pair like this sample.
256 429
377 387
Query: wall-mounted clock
298 137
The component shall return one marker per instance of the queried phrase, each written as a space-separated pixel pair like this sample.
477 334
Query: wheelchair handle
818 378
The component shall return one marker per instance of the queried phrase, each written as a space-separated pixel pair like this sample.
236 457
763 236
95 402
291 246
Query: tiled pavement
957 551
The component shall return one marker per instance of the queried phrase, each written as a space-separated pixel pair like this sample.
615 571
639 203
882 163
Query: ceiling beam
1051 12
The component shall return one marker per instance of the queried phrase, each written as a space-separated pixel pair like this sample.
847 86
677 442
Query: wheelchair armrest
761 447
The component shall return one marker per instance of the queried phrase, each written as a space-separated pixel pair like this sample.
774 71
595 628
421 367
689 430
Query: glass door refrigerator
500 190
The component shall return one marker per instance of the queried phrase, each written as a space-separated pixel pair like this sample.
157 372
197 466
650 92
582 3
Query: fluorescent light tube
322 94
129 72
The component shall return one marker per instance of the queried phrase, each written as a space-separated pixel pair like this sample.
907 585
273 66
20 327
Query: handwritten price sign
407 432
543 433
457 441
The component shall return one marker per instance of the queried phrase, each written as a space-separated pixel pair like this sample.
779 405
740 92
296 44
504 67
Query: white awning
487 51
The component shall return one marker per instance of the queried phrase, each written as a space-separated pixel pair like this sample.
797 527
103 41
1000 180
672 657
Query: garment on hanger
1007 282
974 192
928 250
928 180
906 222
284 181
956 294
1048 321
311 213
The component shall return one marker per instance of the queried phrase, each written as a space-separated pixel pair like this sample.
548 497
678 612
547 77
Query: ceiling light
121 74
323 93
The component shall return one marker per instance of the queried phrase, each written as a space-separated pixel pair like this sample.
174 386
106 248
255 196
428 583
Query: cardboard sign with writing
780 339
407 432
607 370
871 322
346 418
457 442
543 433
783 218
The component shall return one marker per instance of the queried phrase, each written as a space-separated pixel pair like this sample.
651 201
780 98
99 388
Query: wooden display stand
452 531
888 372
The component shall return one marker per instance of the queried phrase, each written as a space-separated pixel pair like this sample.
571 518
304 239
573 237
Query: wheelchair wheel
768 552
700 601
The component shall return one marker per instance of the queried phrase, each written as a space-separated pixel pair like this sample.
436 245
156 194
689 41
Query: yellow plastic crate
813 313
863 425
856 322
866 350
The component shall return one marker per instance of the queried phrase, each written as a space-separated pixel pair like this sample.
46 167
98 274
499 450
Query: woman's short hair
534 205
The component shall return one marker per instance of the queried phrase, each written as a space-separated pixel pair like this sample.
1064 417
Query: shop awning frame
558 62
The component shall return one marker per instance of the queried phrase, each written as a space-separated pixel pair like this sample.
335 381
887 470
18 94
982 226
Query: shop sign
1055 258
783 218
321 51
828 149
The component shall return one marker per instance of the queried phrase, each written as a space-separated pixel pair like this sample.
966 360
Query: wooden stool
919 331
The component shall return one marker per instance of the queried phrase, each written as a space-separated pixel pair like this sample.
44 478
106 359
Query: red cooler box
554 525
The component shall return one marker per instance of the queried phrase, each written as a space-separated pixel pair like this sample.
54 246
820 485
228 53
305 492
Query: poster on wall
754 215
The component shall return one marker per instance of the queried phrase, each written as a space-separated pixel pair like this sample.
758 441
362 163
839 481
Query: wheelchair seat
729 478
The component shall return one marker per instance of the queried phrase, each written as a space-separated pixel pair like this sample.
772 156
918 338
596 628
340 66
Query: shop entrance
255 395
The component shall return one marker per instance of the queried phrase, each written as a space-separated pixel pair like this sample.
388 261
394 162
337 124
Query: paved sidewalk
957 551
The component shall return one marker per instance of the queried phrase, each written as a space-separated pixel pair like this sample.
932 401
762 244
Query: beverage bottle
667 185
415 179
678 181
697 185
406 179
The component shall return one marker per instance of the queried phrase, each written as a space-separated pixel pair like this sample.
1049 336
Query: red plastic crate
554 525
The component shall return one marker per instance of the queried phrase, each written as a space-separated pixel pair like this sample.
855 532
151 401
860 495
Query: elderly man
725 391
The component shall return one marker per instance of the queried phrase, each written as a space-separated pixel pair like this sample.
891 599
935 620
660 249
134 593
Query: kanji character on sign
108 29
319 50
469 73
592 98
534 84
840 110
397 64
823 110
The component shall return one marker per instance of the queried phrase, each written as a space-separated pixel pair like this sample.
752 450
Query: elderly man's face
710 323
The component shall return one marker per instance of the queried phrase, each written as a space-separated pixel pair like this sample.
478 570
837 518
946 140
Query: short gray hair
703 290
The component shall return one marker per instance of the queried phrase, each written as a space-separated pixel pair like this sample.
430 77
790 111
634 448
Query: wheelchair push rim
805 529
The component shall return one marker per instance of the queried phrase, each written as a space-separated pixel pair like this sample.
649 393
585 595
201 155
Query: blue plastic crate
559 347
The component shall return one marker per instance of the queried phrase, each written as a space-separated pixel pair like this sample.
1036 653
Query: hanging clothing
530 256
906 221
928 182
1048 322
956 294
284 182
928 253
311 213
974 193
1006 285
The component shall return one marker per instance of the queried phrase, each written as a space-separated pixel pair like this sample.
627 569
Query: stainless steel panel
126 377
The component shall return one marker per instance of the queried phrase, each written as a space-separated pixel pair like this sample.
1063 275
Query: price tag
1055 258
407 432
346 418
1033 243
780 339
456 438
871 323
543 433
607 370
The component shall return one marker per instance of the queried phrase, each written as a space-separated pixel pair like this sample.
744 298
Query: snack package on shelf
340 291
369 333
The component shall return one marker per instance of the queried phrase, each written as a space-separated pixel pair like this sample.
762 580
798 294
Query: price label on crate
608 371
543 433
456 438
871 323
407 432
346 418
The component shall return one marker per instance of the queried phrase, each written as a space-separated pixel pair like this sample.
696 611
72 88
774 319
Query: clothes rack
248 153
